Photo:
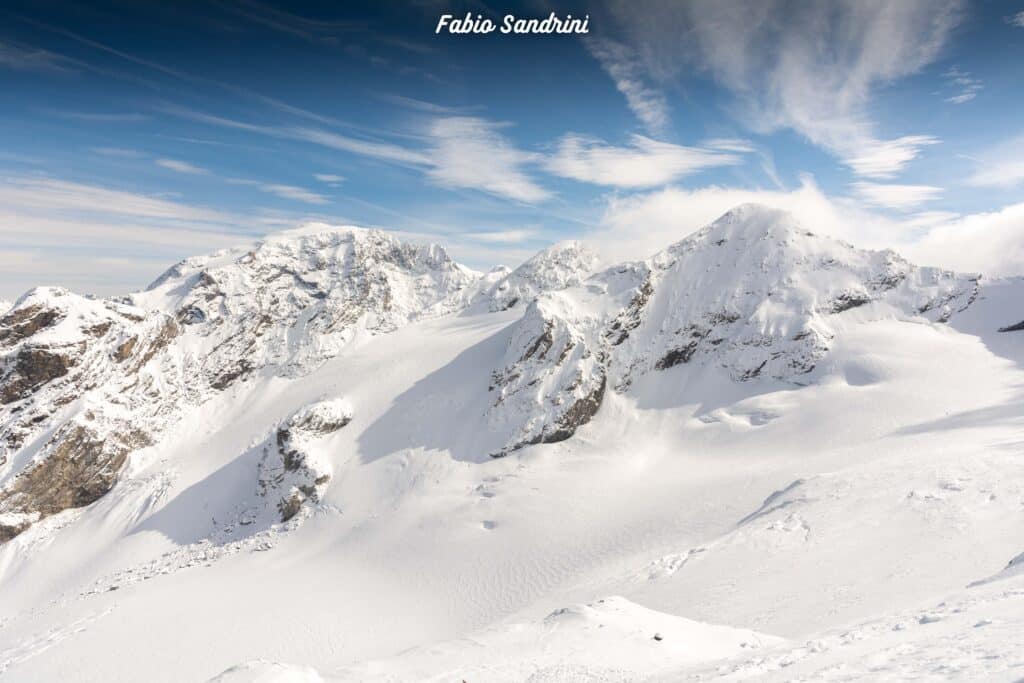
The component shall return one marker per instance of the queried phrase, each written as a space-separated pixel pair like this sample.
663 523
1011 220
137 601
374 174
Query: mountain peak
564 264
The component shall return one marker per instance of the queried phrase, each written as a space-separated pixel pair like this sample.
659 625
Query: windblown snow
759 454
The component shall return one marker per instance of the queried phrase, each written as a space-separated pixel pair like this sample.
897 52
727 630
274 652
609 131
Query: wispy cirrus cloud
290 192
33 194
121 152
23 58
384 151
885 158
501 236
729 145
469 152
52 227
644 163
99 116
1001 166
900 197
309 29
294 193
179 166
418 105
459 152
626 69
967 86
810 67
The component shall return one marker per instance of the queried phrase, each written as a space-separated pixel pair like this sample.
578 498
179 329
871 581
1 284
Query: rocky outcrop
758 296
754 294
552 380
73 370
82 464
84 382
293 469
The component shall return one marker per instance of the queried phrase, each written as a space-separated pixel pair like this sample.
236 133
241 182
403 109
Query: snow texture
760 454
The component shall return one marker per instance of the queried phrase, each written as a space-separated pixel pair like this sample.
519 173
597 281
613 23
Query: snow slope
823 514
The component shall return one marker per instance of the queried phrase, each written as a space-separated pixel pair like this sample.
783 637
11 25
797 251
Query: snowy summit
742 457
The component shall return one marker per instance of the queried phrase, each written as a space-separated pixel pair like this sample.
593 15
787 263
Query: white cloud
501 236
180 166
117 152
417 105
471 153
30 59
730 145
99 117
378 150
52 228
901 197
1005 173
295 193
812 67
645 163
77 199
328 178
462 152
626 69
1000 166
967 87
991 243
639 225
1016 20
885 158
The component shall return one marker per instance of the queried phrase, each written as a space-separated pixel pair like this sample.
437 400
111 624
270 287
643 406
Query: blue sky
134 134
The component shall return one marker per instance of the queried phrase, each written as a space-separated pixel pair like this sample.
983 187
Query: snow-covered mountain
86 382
563 265
754 294
721 460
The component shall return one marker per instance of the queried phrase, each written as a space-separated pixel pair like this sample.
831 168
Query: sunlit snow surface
855 522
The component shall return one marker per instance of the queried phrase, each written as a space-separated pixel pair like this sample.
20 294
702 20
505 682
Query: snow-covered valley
759 454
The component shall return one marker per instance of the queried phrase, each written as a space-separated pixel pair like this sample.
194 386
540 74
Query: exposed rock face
754 294
563 265
1013 328
759 296
552 380
81 465
73 371
293 470
84 382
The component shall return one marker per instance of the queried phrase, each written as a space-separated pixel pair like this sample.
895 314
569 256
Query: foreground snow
833 523
971 635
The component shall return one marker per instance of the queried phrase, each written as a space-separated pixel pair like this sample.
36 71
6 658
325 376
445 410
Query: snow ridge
87 382
754 294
